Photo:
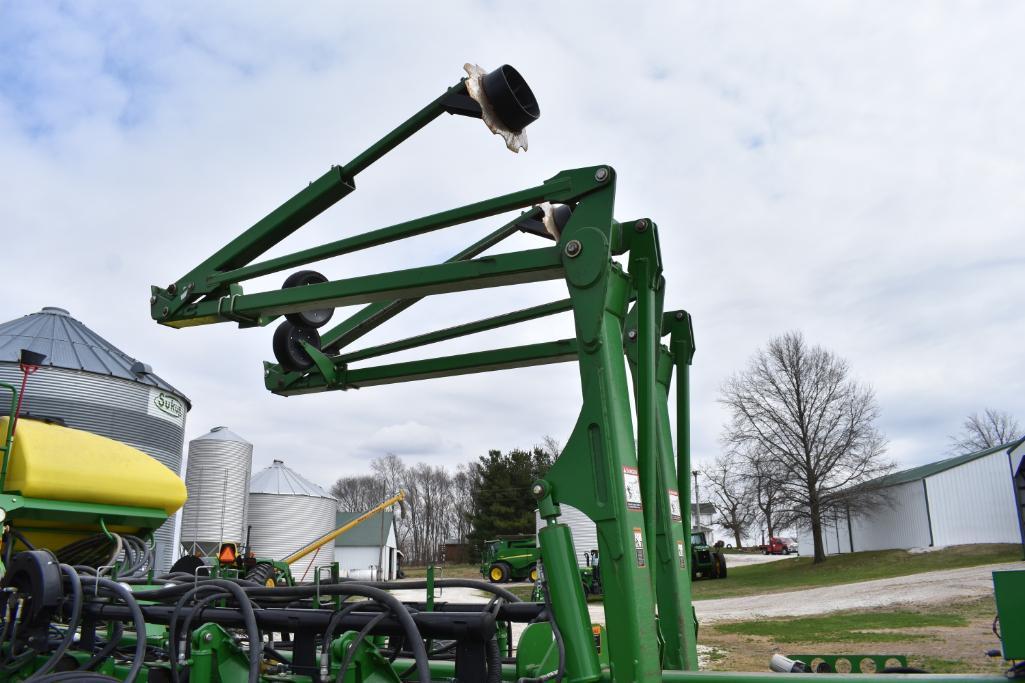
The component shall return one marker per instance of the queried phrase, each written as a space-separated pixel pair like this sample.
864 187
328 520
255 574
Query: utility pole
697 499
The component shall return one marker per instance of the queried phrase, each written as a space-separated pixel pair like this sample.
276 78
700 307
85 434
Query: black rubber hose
355 645
18 535
248 615
558 674
106 650
440 583
493 654
172 627
73 620
329 630
137 619
386 599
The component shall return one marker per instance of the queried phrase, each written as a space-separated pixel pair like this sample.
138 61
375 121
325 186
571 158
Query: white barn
368 550
972 498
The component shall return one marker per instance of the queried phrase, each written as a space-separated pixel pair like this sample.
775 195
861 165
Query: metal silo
87 383
217 479
287 511
581 528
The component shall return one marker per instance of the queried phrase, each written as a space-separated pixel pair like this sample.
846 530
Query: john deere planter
622 467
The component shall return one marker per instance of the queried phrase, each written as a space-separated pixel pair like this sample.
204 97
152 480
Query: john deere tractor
706 562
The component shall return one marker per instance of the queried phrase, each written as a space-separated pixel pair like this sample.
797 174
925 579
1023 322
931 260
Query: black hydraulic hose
137 619
329 631
172 627
441 583
377 595
355 645
558 674
18 535
106 650
248 616
73 620
493 655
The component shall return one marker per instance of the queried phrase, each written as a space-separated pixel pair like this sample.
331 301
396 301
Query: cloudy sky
853 170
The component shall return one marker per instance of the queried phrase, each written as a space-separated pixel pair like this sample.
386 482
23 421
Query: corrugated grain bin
87 383
217 478
286 512
582 529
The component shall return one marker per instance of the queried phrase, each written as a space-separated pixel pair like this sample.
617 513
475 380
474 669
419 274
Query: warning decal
632 484
682 552
639 546
674 505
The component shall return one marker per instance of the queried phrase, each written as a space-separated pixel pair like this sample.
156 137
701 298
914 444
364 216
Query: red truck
779 546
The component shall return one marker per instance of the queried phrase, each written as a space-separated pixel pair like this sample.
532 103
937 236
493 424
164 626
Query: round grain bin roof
70 345
280 480
221 434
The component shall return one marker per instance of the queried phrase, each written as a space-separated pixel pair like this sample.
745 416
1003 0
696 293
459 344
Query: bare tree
766 479
732 496
798 405
359 493
979 432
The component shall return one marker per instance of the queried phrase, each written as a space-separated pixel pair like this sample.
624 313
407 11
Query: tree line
476 502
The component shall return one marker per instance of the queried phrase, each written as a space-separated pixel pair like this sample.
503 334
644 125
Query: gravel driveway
916 589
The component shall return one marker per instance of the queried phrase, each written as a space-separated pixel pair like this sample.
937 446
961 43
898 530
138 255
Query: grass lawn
793 574
951 638
448 571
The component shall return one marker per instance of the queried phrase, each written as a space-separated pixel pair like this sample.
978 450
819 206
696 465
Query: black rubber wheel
498 572
288 348
187 564
317 317
532 573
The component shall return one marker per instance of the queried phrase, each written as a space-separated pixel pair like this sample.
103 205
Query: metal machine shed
368 547
971 498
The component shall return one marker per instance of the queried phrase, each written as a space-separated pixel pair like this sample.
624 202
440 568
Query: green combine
510 558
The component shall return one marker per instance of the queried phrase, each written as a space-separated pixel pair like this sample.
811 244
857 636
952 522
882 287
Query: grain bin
287 511
87 383
582 529
217 478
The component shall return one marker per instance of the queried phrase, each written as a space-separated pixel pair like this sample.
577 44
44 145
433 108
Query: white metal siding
974 503
582 529
835 537
900 522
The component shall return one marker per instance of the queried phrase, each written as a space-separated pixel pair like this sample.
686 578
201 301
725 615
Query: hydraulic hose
442 583
377 595
137 619
355 645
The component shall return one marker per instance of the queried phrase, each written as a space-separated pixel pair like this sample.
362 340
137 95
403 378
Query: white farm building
368 550
972 498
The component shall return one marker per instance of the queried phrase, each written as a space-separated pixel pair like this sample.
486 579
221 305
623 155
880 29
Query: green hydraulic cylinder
568 603
681 345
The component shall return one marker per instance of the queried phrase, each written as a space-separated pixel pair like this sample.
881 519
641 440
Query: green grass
794 574
935 665
448 571
857 627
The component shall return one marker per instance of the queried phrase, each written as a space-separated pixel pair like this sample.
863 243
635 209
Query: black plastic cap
511 98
